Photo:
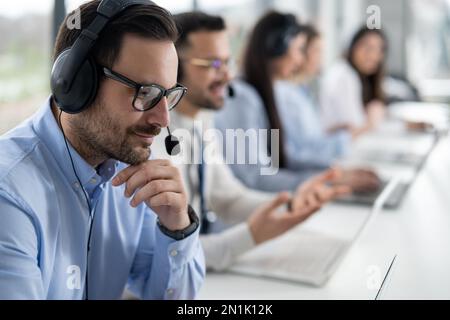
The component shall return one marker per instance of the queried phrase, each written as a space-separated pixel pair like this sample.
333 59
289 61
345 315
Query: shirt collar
49 132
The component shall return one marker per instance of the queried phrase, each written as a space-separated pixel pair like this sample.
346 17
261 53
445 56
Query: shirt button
93 180
169 291
173 253
76 185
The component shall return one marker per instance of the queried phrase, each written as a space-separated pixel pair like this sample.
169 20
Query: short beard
209 105
101 137
205 103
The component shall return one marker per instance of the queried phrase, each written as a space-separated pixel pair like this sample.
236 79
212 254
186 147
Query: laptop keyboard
368 198
300 256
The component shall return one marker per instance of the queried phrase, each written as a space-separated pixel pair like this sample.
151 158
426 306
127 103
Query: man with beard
204 52
69 230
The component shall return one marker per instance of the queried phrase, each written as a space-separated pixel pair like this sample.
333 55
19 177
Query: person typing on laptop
265 100
204 53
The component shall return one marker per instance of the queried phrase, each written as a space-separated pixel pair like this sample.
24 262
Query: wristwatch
186 232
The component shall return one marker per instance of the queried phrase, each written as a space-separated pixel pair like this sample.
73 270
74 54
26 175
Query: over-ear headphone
278 40
74 82
75 75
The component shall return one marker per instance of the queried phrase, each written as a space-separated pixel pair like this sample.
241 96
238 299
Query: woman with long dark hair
275 52
352 96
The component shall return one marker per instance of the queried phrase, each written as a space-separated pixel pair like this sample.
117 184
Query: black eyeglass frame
139 86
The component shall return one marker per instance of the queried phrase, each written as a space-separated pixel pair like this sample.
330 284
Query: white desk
418 232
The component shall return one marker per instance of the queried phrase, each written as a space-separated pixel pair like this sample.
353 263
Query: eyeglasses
148 96
216 64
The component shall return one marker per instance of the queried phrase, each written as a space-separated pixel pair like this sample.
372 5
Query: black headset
75 75
75 81
278 40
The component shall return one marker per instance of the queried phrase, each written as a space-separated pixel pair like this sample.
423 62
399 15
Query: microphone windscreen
230 91
172 145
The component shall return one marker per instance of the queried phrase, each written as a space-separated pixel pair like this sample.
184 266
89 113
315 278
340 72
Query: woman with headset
263 99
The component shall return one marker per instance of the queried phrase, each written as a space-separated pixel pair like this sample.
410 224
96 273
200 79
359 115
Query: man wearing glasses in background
204 52
69 230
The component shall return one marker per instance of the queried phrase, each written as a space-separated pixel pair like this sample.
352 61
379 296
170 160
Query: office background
419 52
418 31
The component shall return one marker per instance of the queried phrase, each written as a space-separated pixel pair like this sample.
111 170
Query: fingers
168 199
365 180
143 177
138 176
329 193
359 180
160 186
298 202
366 173
315 191
280 199
316 197
328 176
154 188
303 199
290 220
155 182
312 200
126 173
341 191
308 201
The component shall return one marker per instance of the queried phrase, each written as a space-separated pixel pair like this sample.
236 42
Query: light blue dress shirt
307 143
246 111
44 226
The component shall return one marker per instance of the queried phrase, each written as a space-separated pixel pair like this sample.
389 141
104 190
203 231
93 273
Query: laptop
305 256
368 198
398 157
396 197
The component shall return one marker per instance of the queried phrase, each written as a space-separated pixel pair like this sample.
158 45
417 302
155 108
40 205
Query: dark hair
194 21
371 84
256 68
311 34
148 21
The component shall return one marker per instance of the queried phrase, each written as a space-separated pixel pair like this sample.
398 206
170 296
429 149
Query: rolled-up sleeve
20 276
165 268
